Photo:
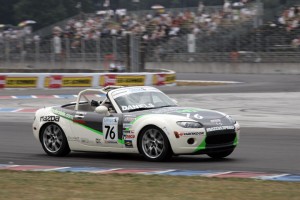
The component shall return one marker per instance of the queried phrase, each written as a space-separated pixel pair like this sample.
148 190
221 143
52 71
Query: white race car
134 120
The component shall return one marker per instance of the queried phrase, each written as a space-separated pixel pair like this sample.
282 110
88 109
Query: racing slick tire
154 145
221 154
54 141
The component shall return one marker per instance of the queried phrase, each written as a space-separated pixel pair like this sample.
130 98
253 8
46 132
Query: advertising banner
163 79
170 78
83 81
130 80
61 80
122 80
21 82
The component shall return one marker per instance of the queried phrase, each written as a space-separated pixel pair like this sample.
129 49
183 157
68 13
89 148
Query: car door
112 128
94 129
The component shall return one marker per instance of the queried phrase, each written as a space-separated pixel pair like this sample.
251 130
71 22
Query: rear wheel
154 144
221 154
54 141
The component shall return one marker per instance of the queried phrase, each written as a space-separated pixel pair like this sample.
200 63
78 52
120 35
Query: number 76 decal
110 128
196 116
110 132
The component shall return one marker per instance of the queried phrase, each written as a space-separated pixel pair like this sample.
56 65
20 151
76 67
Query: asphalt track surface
267 146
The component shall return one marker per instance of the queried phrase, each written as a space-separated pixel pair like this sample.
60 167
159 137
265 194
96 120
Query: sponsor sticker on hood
220 128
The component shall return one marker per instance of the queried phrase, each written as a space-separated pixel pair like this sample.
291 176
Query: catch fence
226 46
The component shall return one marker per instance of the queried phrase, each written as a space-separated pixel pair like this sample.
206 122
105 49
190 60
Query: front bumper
214 141
220 148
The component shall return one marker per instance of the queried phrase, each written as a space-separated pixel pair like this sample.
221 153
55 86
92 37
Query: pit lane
268 114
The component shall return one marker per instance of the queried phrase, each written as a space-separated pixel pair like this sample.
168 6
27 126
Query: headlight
231 119
189 124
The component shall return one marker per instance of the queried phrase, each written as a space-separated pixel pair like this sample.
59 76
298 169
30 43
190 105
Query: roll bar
104 90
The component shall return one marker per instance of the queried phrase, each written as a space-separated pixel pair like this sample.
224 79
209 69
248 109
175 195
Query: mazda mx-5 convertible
140 120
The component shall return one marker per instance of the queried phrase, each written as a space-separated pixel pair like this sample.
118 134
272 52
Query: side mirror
174 101
103 110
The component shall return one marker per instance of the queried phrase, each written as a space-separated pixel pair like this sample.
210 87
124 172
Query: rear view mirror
103 110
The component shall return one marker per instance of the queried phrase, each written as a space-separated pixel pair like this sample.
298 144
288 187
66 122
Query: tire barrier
66 80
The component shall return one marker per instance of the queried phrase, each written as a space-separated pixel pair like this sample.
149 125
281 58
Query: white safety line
106 170
204 81
271 177
53 169
217 174
164 171
17 110
9 166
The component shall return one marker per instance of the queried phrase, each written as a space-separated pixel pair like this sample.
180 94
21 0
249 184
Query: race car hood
204 116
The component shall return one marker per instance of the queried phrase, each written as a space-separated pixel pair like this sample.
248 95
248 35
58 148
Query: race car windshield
143 101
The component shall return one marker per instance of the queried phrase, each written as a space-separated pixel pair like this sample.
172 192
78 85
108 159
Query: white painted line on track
204 81
165 171
272 177
17 110
54 169
217 174
106 170
9 166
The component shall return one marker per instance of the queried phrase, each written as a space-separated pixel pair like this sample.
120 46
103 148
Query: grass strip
58 185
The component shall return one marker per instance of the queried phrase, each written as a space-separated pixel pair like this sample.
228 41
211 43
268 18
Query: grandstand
229 33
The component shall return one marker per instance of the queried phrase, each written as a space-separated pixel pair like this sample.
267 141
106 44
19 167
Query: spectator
57 44
201 7
227 7
117 66
296 43
152 27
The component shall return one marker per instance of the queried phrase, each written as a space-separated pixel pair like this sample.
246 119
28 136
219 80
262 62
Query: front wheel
221 154
54 141
154 144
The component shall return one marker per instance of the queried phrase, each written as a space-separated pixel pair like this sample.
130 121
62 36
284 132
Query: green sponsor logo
62 114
